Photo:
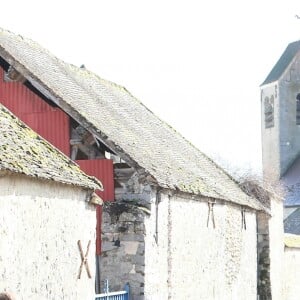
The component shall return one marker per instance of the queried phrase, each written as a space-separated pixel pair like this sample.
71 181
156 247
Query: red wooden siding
51 125
19 99
103 170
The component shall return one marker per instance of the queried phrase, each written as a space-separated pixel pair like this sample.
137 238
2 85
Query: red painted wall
53 125
19 99
103 170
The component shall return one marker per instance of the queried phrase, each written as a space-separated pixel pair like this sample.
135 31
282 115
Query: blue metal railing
107 295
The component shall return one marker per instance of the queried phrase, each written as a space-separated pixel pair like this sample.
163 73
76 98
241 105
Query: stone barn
174 224
47 217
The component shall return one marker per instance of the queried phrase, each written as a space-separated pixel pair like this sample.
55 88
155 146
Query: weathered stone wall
270 136
194 261
123 247
291 274
264 291
123 237
41 223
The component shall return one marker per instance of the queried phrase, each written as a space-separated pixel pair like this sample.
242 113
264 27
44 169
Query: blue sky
196 64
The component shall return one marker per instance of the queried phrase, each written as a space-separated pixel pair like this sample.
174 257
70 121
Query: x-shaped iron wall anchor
84 259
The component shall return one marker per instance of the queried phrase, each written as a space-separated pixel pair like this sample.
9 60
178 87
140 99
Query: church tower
280 115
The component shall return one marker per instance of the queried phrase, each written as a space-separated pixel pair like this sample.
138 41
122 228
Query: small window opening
269 111
298 109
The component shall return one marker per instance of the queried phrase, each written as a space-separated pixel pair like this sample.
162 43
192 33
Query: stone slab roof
283 62
292 240
124 124
292 222
23 151
292 195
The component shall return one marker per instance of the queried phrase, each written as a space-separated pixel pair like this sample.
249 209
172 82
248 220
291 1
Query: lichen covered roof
25 152
292 240
129 126
283 62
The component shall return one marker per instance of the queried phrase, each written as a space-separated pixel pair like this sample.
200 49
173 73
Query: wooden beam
13 75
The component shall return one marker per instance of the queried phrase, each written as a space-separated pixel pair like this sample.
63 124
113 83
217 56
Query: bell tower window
269 111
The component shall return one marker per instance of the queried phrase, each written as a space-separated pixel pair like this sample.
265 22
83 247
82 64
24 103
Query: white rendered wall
41 223
291 274
276 247
271 136
156 254
193 261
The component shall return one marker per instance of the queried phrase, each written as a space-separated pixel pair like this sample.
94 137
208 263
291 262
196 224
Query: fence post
127 289
106 286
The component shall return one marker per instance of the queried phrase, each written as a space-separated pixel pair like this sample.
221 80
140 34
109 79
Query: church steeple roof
283 62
